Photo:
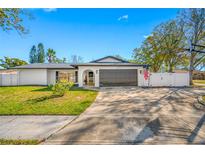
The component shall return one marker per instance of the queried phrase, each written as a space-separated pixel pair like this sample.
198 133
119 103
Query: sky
89 33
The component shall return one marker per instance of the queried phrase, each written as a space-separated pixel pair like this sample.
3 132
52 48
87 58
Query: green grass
18 142
38 100
199 81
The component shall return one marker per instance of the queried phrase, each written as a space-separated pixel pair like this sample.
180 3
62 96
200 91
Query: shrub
50 86
61 87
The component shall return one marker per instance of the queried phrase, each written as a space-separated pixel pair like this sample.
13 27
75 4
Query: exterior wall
141 80
52 75
48 76
96 69
32 77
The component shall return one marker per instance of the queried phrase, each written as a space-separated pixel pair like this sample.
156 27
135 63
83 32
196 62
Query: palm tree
51 54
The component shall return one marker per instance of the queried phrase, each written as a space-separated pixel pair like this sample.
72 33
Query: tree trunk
170 69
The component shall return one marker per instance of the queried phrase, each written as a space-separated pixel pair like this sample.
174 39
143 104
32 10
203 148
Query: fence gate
8 79
169 79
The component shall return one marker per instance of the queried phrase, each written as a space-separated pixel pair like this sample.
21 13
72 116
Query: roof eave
101 64
96 61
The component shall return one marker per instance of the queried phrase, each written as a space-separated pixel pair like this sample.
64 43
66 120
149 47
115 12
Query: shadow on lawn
43 98
45 89
75 88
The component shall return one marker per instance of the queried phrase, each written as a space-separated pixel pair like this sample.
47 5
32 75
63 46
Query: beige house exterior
107 71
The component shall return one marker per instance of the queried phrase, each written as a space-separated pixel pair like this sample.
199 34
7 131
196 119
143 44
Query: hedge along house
107 71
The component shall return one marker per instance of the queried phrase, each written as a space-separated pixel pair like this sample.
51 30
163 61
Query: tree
33 55
41 53
171 44
51 55
11 62
165 47
149 53
76 59
37 55
12 19
58 60
194 21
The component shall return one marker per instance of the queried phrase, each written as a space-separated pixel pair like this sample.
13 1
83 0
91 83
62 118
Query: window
76 76
66 76
90 74
56 76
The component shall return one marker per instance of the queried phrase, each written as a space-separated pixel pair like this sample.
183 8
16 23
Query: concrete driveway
31 127
127 115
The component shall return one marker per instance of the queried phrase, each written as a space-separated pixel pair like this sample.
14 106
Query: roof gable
109 59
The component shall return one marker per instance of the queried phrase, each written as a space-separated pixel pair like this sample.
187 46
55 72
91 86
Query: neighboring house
107 71
198 75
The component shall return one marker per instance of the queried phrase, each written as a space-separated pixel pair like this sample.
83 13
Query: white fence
168 79
8 79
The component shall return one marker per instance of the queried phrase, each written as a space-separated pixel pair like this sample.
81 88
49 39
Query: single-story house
107 71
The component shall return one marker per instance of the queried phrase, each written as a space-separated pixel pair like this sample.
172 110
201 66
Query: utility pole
191 64
191 50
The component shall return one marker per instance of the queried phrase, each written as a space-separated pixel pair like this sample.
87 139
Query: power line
199 51
198 45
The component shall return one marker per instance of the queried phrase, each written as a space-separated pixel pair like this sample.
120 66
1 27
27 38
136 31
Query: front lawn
18 142
38 100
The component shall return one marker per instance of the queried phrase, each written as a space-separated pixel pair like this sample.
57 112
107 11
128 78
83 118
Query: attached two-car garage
118 77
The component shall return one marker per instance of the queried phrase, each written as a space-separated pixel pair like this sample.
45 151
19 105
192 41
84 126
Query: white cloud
50 9
146 36
124 17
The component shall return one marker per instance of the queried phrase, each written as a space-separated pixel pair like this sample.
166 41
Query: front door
90 79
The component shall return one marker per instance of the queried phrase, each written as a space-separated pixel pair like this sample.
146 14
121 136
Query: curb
201 101
200 104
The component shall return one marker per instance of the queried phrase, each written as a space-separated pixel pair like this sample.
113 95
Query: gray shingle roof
111 64
120 60
45 65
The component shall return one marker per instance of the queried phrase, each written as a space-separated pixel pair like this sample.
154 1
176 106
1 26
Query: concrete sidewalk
31 127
